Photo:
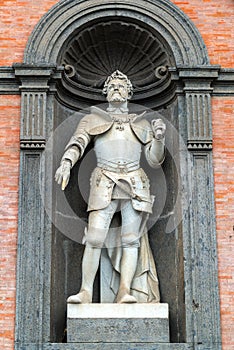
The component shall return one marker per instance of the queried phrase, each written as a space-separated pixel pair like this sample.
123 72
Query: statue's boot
90 265
127 272
123 297
84 297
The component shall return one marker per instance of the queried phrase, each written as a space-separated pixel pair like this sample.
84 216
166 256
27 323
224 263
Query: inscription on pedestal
119 323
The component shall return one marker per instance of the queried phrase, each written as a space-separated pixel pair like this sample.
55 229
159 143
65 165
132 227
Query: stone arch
65 17
171 28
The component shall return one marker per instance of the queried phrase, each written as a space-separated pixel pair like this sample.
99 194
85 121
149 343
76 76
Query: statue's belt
118 168
125 188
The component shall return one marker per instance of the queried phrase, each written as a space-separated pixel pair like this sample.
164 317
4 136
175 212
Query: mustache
120 96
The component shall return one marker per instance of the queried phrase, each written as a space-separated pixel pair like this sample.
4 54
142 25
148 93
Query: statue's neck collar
118 109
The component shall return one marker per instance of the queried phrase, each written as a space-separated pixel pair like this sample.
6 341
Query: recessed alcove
90 54
98 48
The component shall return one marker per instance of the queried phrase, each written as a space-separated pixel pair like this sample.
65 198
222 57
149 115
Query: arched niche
47 261
101 46
67 16
89 55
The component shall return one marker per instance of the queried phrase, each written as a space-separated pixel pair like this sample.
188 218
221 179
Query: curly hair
118 75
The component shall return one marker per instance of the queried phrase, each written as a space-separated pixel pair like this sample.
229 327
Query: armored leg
131 221
127 271
98 225
99 222
90 265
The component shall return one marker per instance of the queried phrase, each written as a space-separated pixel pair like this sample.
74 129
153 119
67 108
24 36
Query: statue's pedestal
117 323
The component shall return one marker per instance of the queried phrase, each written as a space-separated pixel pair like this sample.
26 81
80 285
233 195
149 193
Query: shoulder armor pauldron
142 129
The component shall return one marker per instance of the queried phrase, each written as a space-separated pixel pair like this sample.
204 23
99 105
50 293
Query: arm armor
77 144
155 152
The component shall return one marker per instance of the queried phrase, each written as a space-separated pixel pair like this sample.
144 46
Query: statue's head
118 88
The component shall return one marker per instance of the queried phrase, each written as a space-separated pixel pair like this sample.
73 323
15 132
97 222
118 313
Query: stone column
201 284
34 234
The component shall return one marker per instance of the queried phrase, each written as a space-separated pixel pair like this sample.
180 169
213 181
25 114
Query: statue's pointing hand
62 174
159 128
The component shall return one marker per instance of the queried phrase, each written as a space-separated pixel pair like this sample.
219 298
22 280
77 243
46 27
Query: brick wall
223 112
214 19
9 164
17 20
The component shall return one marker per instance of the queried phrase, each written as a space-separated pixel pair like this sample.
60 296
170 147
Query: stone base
117 323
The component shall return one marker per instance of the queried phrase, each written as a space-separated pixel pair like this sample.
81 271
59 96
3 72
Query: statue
117 182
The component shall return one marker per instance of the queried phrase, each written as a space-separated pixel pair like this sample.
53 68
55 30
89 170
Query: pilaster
34 233
34 89
201 292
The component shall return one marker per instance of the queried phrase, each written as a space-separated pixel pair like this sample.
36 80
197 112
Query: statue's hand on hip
159 128
62 174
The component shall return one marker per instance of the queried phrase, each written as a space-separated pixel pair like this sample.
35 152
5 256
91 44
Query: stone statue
117 182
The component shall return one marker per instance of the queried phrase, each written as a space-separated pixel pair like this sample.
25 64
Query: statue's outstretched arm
155 150
69 158
73 152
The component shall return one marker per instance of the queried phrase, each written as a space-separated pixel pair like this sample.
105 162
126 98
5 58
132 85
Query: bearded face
117 91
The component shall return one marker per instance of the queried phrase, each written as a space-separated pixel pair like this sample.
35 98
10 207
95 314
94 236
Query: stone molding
9 84
113 346
197 88
34 87
168 20
222 85
57 28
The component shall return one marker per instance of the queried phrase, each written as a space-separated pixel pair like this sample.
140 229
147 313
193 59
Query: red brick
214 19
9 145
224 170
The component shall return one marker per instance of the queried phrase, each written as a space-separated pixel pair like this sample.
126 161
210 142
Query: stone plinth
117 323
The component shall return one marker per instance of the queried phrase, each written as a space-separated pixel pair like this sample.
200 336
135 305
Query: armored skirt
134 185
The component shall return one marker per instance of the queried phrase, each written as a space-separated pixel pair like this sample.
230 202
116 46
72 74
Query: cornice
221 79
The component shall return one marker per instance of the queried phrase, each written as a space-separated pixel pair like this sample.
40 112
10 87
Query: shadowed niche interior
96 50
89 56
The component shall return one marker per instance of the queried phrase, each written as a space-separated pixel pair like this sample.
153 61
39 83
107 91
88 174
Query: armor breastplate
118 148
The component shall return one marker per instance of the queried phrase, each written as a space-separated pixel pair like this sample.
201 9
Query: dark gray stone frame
194 78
